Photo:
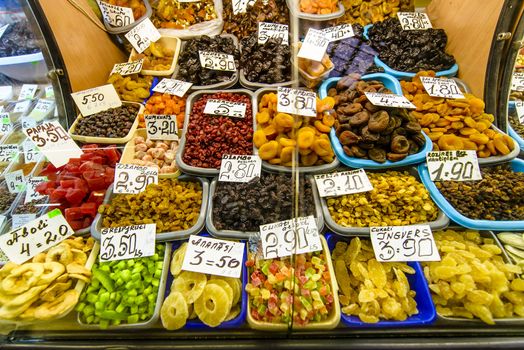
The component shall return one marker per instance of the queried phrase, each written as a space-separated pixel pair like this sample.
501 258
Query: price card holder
217 61
43 108
3 29
389 100
517 82
239 168
27 122
295 101
273 30
117 16
127 242
414 20
35 237
440 87
143 35
30 192
295 236
161 127
453 166
346 182
6 125
128 68
22 106
18 220
519 105
8 152
31 154
225 108
6 92
27 92
172 87
49 92
96 100
404 243
15 181
340 32
314 45
239 6
133 179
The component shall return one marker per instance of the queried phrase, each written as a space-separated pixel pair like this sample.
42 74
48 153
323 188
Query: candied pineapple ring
190 284
178 259
213 305
174 311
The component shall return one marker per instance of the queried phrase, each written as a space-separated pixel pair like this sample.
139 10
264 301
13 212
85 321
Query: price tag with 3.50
143 35
273 30
161 127
339 32
97 99
441 87
128 68
314 45
345 182
217 61
30 192
172 87
294 101
6 125
453 165
127 242
133 179
225 108
414 20
239 168
388 100
117 16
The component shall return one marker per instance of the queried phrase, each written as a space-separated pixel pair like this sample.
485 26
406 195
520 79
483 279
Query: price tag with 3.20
239 168
294 101
133 179
217 61
128 68
225 108
127 242
345 182
97 99
441 87
143 35
161 127
389 100
172 87
453 165
414 20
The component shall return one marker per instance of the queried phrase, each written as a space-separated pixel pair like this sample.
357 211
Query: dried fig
399 132
371 107
413 147
366 145
360 118
395 157
348 151
377 154
412 127
348 138
378 121
384 140
419 139
358 152
368 136
399 144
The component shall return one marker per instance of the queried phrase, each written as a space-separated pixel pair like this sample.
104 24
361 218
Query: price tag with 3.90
414 20
31 183
441 87
239 168
340 32
314 45
172 87
217 61
6 125
127 242
117 16
273 30
161 127
143 35
388 100
453 165
97 99
128 68
133 179
225 108
294 101
345 182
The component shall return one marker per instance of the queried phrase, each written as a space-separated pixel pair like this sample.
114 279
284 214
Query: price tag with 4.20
161 127
441 87
225 108
172 87
345 182
294 101
127 242
97 99
117 16
239 168
143 35
217 61
273 30
414 20
389 100
314 45
453 165
6 125
128 68
133 179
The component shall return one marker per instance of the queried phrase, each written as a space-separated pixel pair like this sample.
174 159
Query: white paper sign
172 87
441 87
53 142
239 6
517 82
8 152
35 237
43 108
314 45
295 101
31 153
133 179
143 35
345 182
388 100
127 242
295 236
97 99
28 122
339 32
49 92
128 68
217 61
15 181
5 125
21 107
161 127
453 165
117 16
239 168
214 256
273 30
414 20
30 192
519 105
3 29
18 220
225 108
27 92
404 243
6 92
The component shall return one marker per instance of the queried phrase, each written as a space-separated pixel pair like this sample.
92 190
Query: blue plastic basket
196 323
503 225
451 72
353 162
151 92
511 131
426 309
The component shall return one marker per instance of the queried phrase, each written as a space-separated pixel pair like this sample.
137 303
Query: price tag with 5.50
6 125
388 100
414 20
15 181
453 165
213 256
128 68
294 101
172 87
339 32
404 243
225 108
161 127
27 92
217 61
314 45
273 30
345 182
30 192
117 16
239 168
127 242
97 99
441 87
133 179
143 35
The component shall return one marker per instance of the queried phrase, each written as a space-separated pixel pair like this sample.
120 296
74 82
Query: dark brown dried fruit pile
6 198
114 122
516 125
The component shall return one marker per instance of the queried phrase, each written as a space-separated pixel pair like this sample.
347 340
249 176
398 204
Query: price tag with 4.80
441 87
133 179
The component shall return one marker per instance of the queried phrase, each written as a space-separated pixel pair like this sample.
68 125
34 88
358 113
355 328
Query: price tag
517 82
172 87
440 87
404 243
239 168
27 92
49 92
388 100
97 99
133 179
28 122
6 92
6 125
345 182
143 35
35 237
18 220
453 166
273 30
31 154
128 68
217 61
53 141
3 29
15 181
8 152
30 193
117 16
161 127
294 101
340 32
239 6
519 105
295 236
225 108
127 242
214 256
42 109
314 45
414 20
21 107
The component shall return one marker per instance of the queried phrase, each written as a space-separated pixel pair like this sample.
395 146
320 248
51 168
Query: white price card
161 127
8 152
49 92
53 142
18 220
285 238
133 179
517 82
6 92
441 87
27 91
143 35
453 166
31 154
345 182
414 20
117 16
3 29
217 61
42 109
30 192
388 100
239 168
225 108
127 242
239 6
519 105
128 68
273 30
172 87
214 256
295 101
27 122
314 45
97 99
35 237
404 243
5 125
22 106
339 32
15 181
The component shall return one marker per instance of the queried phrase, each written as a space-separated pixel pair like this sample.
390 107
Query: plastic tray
129 152
125 29
440 223
7 212
20 199
181 147
19 161
315 169
30 68
96 226
234 323
294 9
159 298
169 41
15 136
106 140
232 234
221 85
305 78
503 225
426 310
516 137
353 162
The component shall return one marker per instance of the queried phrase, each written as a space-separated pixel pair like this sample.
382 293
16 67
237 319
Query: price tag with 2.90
345 182
295 101
453 165
127 242
133 179
217 61
414 20
441 87
97 99
239 168
161 127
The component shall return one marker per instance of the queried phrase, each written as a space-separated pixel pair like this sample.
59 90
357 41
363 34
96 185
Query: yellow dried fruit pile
133 88
397 199
472 280
370 289
455 124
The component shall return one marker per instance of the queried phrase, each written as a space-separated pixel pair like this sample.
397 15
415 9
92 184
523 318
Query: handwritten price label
133 179
240 6
128 68
237 168
21 107
161 127
346 182
294 101
414 20
49 92
314 45
143 35
517 82
225 108
340 32
8 152
117 16
15 181
273 30
6 125
453 166
18 220
27 92
31 154
127 242
172 87
214 256
42 109
519 105
404 243
97 99
388 100
217 61
440 87
30 192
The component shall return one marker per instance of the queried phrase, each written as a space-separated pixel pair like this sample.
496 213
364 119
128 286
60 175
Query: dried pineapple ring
21 278
235 311
210 307
226 287
234 283
191 311
190 284
178 259
174 312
